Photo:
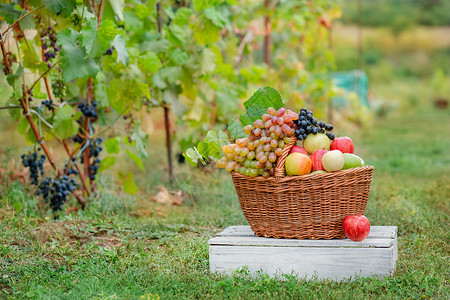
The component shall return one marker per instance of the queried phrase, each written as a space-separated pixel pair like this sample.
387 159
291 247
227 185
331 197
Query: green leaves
208 61
150 62
63 123
117 7
11 14
258 104
74 61
128 184
210 148
60 7
236 130
119 46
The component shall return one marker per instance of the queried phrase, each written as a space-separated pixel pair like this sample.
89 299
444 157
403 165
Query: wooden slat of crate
237 246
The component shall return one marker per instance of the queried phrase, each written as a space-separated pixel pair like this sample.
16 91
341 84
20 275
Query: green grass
125 247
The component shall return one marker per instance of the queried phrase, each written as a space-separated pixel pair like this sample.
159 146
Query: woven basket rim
307 176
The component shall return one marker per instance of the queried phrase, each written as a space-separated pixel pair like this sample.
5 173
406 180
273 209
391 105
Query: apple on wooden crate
356 227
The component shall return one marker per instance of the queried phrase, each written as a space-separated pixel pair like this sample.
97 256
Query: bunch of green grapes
257 154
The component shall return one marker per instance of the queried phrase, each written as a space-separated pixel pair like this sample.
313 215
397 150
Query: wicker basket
302 207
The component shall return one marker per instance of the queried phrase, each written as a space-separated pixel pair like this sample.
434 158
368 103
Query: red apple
298 149
343 144
316 159
356 228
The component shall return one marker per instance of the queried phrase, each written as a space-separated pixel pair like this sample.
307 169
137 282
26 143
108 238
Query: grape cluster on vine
307 124
35 163
55 191
11 59
69 167
48 104
94 151
257 154
48 38
30 94
109 51
59 88
89 110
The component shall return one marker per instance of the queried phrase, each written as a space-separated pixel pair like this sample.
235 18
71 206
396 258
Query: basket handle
279 170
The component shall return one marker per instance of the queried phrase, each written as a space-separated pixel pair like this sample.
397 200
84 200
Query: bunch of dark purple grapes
307 124
35 163
48 38
69 167
89 110
94 152
55 191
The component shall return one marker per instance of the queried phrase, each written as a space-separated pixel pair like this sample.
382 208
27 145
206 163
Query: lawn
125 247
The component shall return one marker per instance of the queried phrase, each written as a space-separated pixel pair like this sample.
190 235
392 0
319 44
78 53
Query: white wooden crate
237 246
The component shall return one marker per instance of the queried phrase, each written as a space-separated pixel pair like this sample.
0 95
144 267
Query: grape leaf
236 130
106 34
137 160
100 89
74 61
129 186
258 104
112 146
107 163
182 17
15 81
89 37
141 139
178 35
178 56
5 89
208 61
117 6
11 14
206 33
60 7
150 62
119 46
219 15
193 156
63 124
227 101
209 150
203 4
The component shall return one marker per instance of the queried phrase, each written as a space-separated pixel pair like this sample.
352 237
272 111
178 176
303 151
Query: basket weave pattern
311 206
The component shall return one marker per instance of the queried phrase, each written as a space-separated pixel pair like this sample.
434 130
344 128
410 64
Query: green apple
315 142
319 171
352 161
297 164
333 161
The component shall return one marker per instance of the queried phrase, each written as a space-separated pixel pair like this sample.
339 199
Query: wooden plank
333 263
379 237
261 241
375 231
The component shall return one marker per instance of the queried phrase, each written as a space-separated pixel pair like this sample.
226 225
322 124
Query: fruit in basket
343 144
319 171
352 161
356 227
308 125
316 159
298 149
315 142
333 161
297 164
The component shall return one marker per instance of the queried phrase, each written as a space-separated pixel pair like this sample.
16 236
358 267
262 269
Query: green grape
253 172
251 155
244 152
230 166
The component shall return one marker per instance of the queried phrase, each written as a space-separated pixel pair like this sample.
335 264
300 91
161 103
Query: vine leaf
11 14
63 124
258 104
107 163
137 160
129 186
193 157
208 61
5 90
112 146
119 46
74 63
236 130
141 139
117 7
150 62
62 7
